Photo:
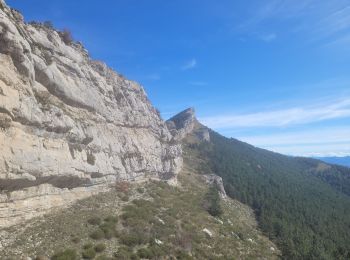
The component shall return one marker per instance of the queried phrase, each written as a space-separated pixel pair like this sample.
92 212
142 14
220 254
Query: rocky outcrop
182 124
186 123
203 134
213 179
69 125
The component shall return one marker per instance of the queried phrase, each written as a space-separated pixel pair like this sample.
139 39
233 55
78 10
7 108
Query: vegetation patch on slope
145 221
298 204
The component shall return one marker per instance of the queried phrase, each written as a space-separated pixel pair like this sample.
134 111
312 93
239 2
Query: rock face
203 134
182 124
213 179
69 126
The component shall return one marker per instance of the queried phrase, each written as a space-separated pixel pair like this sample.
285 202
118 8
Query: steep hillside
69 125
301 204
149 221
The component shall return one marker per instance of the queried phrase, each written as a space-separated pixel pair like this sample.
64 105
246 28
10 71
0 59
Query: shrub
67 254
100 248
87 246
130 239
5 122
122 186
145 253
184 240
90 158
125 198
41 257
66 36
181 255
134 257
48 24
94 221
75 240
140 190
97 234
111 219
104 257
123 253
108 229
212 202
89 253
109 233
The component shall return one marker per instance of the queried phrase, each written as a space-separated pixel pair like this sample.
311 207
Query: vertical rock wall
69 126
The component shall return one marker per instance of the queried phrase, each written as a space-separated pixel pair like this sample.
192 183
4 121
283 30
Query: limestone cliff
185 123
69 125
182 124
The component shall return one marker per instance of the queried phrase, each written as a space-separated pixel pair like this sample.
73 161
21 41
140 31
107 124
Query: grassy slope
140 223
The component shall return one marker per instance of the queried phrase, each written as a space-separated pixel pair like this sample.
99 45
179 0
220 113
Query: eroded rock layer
69 126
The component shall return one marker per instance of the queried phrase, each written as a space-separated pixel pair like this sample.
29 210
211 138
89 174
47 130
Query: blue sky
272 73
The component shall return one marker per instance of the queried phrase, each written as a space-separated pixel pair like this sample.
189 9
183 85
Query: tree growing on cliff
66 36
212 202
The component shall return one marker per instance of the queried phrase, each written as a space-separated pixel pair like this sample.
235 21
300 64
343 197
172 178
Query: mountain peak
184 117
182 124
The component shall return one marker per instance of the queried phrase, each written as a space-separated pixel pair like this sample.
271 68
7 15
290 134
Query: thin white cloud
191 64
319 21
282 117
315 150
327 135
327 141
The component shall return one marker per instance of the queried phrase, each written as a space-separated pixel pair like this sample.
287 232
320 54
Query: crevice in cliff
61 182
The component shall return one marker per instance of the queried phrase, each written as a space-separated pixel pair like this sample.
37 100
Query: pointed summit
184 118
182 124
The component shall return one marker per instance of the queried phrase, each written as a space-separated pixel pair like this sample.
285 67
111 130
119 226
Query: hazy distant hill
345 161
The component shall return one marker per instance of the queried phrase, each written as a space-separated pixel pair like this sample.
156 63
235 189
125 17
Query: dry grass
130 230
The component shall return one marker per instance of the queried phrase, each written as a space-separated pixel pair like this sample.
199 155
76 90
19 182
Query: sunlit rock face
182 124
69 126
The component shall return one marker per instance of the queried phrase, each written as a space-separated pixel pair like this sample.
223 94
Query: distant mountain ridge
344 161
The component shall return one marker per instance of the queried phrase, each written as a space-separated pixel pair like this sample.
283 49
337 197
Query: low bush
140 190
131 239
88 245
125 198
104 257
122 186
123 253
145 253
97 234
100 248
109 228
75 240
212 202
111 219
48 24
94 221
90 158
67 254
41 257
66 36
89 253
181 255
